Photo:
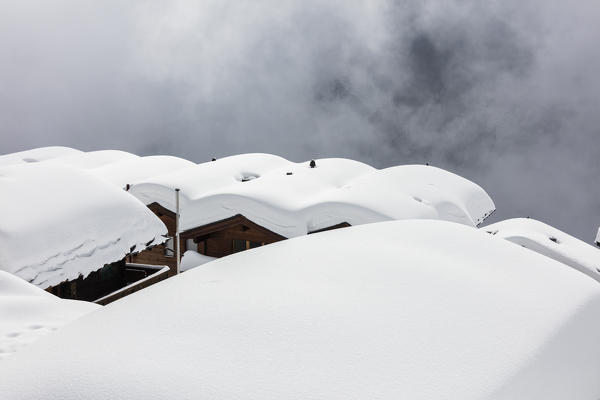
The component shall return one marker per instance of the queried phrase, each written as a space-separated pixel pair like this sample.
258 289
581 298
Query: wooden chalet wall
229 236
159 254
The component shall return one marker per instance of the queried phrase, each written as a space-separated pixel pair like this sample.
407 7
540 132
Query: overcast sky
505 93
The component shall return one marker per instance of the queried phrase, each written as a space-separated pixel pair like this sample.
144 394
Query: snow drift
406 309
58 222
27 313
292 199
192 259
550 242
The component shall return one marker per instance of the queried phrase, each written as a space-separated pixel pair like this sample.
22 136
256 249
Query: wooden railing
158 273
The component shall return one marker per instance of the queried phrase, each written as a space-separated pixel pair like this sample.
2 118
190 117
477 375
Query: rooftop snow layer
550 242
131 170
292 199
93 159
57 223
36 155
406 309
28 313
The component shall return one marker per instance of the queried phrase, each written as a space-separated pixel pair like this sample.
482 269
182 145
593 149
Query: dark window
241 245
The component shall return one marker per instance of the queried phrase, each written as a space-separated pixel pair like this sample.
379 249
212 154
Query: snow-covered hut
68 231
427 310
550 242
249 200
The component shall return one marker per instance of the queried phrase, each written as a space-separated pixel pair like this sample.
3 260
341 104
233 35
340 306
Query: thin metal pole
178 247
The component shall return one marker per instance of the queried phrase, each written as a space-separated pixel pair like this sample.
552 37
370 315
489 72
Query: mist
505 93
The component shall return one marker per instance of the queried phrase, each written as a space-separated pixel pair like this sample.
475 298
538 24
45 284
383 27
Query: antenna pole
177 245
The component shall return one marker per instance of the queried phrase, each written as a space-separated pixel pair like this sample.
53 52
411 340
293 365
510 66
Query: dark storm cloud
504 93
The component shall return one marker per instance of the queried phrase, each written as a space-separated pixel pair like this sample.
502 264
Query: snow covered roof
36 155
550 242
28 313
424 310
93 159
292 199
131 170
58 222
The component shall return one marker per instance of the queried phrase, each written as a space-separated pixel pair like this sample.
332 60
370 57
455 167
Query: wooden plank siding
217 239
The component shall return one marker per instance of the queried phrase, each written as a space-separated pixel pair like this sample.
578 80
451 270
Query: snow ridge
292 198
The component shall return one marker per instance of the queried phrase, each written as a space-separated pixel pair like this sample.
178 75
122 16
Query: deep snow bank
192 259
27 313
292 199
57 223
405 309
550 242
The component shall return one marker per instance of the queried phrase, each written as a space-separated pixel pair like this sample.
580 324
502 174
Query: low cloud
504 93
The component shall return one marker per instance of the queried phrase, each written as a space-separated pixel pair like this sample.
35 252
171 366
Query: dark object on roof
288 173
214 159
313 163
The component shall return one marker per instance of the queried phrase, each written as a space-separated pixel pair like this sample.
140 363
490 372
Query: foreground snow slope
396 310
27 313
37 155
58 222
551 242
292 199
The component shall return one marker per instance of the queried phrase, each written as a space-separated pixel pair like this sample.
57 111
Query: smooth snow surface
28 313
93 159
36 155
550 242
292 199
192 259
398 310
58 222
131 170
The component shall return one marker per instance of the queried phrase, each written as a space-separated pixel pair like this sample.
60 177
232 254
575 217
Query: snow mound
192 259
292 199
415 309
131 170
36 155
93 159
57 223
550 242
27 313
